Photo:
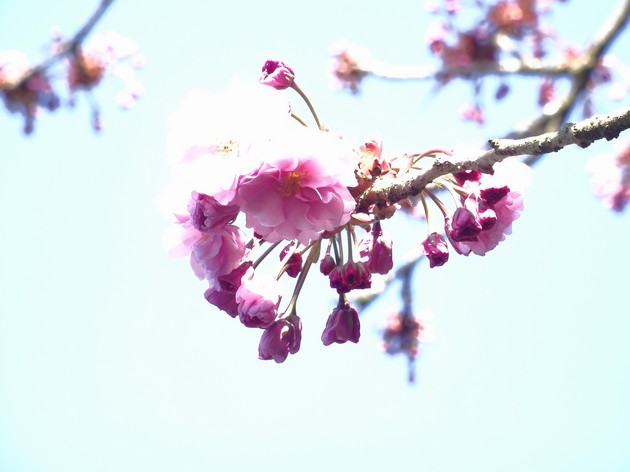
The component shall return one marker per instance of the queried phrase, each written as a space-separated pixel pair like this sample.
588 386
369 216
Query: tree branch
395 189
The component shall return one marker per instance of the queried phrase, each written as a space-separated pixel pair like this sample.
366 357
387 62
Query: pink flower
207 213
435 249
342 325
356 275
218 252
277 74
507 210
258 299
299 194
224 298
281 338
496 201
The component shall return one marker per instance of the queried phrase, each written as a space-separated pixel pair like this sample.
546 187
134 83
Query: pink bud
435 249
342 325
277 74
356 275
327 264
281 338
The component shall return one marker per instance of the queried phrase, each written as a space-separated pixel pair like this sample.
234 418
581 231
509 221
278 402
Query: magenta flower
342 325
507 210
435 249
258 299
277 74
327 264
464 226
375 251
218 252
356 275
207 213
299 195
280 339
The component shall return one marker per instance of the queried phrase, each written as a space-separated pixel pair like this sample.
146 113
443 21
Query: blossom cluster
28 89
259 198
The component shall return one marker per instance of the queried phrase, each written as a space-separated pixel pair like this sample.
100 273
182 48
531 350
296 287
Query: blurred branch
69 46
383 70
395 189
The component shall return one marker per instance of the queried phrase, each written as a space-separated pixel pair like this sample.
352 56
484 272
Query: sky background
111 359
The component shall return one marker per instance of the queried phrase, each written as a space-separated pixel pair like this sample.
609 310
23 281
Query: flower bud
277 74
435 249
464 226
342 325
281 338
327 264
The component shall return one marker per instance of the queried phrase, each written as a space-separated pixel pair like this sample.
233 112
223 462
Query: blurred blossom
611 177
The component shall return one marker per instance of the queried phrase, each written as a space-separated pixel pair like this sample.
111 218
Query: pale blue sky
111 360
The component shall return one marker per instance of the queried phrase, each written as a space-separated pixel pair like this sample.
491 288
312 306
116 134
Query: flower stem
313 256
265 254
295 87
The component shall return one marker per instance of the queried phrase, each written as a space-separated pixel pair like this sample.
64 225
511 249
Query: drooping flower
277 74
327 264
218 252
258 299
280 339
435 249
342 325
464 226
207 213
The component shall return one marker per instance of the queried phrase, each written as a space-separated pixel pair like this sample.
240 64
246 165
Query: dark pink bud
327 264
277 74
376 251
435 249
207 213
280 339
356 275
342 325
337 281
294 263
464 226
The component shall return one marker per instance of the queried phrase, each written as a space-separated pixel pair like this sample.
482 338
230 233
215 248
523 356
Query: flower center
291 184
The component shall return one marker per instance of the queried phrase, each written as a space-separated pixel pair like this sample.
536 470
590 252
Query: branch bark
395 189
